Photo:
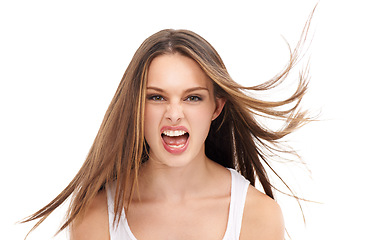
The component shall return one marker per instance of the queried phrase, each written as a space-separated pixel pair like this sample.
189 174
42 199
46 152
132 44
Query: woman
162 164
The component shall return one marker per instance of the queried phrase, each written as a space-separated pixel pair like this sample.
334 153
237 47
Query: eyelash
155 98
197 98
192 98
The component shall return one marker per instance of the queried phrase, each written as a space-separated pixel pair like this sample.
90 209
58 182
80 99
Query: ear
220 103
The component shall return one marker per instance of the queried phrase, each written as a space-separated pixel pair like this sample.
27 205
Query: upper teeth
172 133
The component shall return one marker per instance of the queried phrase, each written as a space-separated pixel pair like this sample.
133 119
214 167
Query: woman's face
180 106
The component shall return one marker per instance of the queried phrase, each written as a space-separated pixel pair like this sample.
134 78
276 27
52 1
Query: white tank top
239 187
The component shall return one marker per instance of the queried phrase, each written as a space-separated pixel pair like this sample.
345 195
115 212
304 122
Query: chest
200 219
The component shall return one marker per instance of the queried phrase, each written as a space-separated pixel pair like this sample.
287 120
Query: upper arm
262 218
94 225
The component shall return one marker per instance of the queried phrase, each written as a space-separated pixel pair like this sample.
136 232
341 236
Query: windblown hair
235 140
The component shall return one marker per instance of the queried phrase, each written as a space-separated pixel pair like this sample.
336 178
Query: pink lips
174 150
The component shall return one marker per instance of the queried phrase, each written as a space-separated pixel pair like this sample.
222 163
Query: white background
61 62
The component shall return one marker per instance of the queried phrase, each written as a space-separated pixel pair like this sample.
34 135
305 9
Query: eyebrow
186 91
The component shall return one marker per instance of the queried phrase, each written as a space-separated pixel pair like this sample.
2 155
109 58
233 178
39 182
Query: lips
175 139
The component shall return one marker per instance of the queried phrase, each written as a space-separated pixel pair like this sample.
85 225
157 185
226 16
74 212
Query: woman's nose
174 112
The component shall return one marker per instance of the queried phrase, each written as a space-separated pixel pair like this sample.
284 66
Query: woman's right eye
156 98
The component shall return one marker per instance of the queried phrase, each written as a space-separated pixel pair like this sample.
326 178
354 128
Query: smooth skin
185 195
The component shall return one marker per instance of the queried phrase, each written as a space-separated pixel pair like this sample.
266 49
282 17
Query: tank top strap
239 187
122 230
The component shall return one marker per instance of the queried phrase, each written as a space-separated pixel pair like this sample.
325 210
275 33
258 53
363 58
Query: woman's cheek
152 120
200 119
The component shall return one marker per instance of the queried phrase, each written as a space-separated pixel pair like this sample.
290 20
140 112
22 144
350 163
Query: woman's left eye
193 99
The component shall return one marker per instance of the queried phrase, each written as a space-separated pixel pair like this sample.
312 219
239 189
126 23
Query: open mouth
175 139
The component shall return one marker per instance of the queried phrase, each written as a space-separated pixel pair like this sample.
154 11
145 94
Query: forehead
176 71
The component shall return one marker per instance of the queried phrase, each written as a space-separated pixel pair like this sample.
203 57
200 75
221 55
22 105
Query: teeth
176 133
176 146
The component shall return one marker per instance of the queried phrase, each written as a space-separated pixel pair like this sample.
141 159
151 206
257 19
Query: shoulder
95 222
262 217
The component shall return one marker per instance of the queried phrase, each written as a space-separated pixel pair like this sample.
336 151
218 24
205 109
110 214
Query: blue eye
193 99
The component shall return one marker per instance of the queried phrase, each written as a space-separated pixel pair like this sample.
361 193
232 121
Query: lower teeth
176 146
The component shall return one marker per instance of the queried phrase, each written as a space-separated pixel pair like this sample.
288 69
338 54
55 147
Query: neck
165 183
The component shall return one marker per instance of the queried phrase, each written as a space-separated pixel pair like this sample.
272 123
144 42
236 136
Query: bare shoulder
95 222
262 217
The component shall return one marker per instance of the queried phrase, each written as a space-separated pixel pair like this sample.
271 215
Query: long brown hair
236 139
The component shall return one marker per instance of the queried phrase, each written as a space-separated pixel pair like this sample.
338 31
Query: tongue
179 140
